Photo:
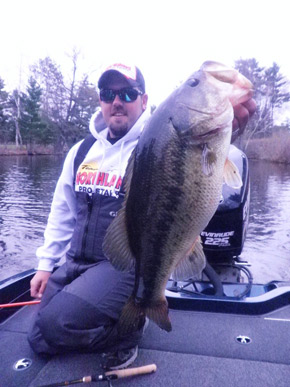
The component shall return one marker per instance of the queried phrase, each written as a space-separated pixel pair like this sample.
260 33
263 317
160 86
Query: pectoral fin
208 160
191 265
232 175
116 244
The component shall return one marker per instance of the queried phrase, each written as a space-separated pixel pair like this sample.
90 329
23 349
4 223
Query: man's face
121 116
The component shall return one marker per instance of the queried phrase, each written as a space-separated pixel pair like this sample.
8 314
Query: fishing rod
15 304
108 376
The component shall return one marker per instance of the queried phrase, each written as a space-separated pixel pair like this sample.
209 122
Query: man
83 299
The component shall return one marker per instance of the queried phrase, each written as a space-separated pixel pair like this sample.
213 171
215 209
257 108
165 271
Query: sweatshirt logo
89 179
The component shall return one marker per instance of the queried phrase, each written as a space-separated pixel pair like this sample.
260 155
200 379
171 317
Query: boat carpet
201 349
175 370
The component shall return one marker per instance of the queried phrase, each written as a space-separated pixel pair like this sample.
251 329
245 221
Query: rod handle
148 369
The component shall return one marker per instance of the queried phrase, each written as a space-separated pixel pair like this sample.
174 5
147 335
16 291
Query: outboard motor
224 237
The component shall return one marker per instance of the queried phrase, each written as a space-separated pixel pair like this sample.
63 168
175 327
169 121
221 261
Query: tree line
272 97
51 110
55 111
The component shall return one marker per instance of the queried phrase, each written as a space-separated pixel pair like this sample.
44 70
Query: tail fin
158 312
131 317
133 314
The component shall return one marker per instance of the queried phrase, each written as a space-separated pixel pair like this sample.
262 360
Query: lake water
26 189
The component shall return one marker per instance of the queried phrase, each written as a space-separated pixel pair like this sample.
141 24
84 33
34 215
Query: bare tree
18 137
67 105
270 94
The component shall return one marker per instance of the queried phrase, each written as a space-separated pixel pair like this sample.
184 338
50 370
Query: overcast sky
168 40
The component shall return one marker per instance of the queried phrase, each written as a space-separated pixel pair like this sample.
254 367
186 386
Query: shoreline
37 150
274 149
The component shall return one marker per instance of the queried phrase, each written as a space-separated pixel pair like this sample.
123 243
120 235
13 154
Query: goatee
118 131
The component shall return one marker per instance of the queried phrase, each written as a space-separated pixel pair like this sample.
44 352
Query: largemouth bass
173 185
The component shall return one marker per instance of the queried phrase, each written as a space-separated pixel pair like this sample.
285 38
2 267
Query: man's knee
68 323
46 331
37 341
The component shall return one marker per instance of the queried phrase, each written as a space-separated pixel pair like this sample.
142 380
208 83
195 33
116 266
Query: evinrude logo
221 239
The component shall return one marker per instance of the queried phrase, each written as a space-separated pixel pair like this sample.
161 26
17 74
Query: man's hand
38 283
242 113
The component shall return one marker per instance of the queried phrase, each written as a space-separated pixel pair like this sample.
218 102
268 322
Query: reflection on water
26 189
267 245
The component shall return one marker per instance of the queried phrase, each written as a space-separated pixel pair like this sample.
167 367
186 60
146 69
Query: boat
227 329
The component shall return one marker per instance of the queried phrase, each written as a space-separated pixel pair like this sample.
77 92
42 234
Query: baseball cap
132 75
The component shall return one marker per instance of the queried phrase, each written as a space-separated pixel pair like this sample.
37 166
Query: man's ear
144 101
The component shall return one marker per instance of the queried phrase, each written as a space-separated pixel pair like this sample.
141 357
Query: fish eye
193 82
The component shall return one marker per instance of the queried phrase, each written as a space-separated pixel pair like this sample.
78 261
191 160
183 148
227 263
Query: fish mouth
210 113
203 137
210 132
188 132
196 110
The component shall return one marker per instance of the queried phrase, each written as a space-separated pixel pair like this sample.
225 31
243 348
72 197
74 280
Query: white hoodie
101 171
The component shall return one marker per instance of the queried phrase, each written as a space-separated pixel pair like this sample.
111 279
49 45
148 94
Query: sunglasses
125 95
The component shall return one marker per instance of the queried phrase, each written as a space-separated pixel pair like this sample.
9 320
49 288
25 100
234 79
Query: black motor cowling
224 236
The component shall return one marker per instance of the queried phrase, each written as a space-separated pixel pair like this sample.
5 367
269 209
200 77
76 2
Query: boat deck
202 350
